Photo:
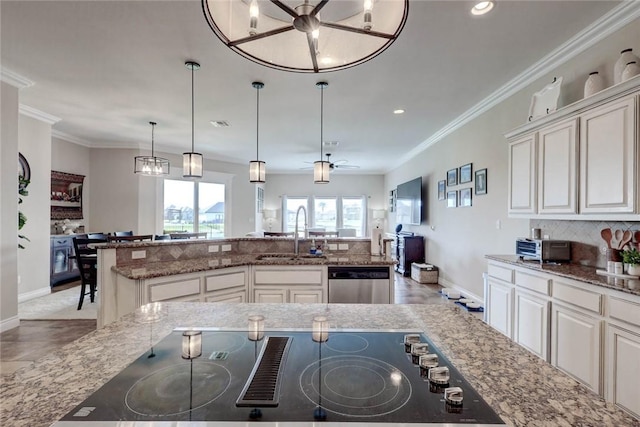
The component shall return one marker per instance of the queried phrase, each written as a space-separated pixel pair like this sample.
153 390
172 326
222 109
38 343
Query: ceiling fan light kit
279 34
192 161
321 168
151 165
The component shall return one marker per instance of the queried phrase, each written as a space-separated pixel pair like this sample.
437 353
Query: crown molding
15 79
606 25
34 113
70 138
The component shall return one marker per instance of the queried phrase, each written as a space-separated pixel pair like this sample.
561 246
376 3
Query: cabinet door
232 297
306 296
557 154
522 175
623 376
608 158
576 339
270 295
532 323
500 302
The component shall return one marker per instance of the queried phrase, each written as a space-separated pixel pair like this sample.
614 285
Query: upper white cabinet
522 175
608 158
580 162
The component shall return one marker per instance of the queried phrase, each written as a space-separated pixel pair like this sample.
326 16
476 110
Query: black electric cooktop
355 376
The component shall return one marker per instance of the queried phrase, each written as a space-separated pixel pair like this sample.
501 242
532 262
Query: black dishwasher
359 285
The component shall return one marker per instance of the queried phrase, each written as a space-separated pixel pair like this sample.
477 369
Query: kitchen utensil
636 236
606 235
626 238
617 237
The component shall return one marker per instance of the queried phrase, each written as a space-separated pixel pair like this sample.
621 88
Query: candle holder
191 349
255 333
320 334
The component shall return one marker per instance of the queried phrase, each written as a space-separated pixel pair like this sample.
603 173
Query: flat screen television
409 202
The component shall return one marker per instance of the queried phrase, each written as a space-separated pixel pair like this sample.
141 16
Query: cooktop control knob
417 350
439 375
410 339
426 362
453 396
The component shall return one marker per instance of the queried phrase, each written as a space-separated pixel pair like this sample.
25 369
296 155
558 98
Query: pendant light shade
257 168
151 165
292 36
321 167
192 161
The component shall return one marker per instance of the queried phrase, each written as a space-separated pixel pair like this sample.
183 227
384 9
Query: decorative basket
423 273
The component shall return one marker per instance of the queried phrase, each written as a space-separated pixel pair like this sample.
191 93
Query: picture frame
392 201
452 199
441 190
465 197
481 182
465 173
452 177
66 195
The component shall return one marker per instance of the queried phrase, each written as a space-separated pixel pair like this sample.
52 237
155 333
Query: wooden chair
277 234
162 237
184 236
140 238
123 233
102 236
87 260
323 234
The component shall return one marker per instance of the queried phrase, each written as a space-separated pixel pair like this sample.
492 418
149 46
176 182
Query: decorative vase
626 56
594 84
631 70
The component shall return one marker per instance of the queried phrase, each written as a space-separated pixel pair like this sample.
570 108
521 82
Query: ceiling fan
338 164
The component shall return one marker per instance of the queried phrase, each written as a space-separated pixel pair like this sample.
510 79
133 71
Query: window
194 207
327 213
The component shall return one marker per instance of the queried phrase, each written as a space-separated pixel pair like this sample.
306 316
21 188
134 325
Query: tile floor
33 339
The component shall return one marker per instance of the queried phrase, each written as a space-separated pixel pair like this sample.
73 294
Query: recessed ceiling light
398 111
482 7
219 123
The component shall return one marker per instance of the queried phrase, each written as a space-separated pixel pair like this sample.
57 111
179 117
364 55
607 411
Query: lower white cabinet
576 342
285 284
227 285
499 302
532 323
306 295
623 371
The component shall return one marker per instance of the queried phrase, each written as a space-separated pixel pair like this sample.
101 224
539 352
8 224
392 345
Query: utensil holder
614 255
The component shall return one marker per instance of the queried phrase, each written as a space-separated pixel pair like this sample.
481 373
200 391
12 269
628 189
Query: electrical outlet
213 263
213 248
226 248
333 246
138 254
343 246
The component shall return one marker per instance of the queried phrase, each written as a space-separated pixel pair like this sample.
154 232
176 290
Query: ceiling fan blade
261 35
319 6
346 166
285 8
355 30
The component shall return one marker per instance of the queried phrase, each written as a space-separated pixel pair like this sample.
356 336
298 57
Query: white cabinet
609 158
522 175
576 340
227 285
532 322
499 306
183 287
557 154
284 284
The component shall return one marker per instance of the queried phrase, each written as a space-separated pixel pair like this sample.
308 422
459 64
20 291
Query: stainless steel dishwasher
361 285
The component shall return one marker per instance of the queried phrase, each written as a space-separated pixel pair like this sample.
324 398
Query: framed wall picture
66 195
481 182
441 190
465 173
452 199
452 177
465 197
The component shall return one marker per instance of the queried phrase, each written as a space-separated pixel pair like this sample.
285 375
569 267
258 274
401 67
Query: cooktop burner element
355 376
176 389
356 386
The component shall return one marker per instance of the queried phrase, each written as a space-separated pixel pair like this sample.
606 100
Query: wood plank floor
33 339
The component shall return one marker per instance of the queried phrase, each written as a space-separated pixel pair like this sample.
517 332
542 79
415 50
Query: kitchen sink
289 257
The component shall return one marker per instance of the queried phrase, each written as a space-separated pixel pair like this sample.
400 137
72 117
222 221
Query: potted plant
632 259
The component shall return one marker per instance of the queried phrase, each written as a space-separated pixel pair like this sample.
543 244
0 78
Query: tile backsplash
587 245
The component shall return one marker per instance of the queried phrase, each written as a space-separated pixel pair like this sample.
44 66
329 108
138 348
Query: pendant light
192 161
321 167
151 165
257 169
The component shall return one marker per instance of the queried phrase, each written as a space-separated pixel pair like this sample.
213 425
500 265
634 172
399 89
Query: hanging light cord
321 120
257 119
153 126
192 109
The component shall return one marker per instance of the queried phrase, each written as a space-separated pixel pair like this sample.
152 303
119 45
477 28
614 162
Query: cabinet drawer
591 301
533 283
288 277
501 272
626 311
224 281
166 291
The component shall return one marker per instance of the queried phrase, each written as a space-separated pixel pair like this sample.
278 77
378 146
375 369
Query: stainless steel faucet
295 237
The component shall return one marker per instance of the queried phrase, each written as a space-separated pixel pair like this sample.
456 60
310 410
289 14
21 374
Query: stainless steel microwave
544 250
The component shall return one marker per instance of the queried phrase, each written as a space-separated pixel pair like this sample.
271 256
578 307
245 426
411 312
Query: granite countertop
170 268
521 388
573 271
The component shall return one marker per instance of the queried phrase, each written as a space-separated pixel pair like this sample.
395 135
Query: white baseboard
34 294
10 323
447 284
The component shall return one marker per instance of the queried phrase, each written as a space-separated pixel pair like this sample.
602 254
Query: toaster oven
544 250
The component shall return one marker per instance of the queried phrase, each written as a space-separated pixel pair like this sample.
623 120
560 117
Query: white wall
34 142
278 185
73 158
457 239
8 207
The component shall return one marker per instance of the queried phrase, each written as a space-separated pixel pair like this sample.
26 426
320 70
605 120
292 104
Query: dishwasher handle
358 273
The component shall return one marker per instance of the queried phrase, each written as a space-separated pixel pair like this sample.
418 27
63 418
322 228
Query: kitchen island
520 387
